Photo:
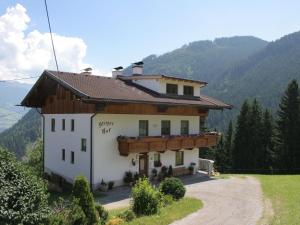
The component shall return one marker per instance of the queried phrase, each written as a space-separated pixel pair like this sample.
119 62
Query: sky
105 34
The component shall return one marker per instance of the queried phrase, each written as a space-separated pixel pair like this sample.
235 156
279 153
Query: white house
101 127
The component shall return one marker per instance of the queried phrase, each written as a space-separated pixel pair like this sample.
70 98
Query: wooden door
143 164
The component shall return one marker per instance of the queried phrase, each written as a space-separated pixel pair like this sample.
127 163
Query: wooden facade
64 101
164 143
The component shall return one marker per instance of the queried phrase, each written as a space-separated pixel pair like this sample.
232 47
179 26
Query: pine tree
221 157
240 152
228 146
288 129
255 138
268 141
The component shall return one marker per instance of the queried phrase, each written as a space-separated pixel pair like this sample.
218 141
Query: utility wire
46 7
24 78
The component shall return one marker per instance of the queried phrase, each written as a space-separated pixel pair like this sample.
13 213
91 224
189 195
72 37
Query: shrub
173 186
145 198
127 215
23 198
115 221
128 177
166 199
81 191
154 172
102 212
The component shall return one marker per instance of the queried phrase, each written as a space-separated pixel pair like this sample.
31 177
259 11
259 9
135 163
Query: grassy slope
284 192
168 214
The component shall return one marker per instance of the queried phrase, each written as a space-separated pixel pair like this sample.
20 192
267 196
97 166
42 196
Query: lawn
168 214
284 193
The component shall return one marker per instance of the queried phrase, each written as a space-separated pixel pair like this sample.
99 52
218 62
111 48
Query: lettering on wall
105 126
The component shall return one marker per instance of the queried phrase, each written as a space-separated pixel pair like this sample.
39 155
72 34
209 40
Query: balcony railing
164 143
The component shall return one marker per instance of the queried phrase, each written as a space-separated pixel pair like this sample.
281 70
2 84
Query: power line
46 7
24 78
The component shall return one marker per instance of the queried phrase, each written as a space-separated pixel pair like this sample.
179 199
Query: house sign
105 126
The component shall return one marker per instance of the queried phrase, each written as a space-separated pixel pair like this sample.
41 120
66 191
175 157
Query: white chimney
137 68
117 71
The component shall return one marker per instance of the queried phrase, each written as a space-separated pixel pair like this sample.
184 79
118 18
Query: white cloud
23 55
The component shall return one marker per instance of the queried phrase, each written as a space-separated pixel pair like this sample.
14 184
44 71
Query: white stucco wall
70 141
109 165
153 84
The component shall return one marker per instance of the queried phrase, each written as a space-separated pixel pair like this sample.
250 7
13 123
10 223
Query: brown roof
107 89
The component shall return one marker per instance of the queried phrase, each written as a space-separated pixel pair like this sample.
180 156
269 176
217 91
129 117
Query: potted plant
191 170
103 186
154 173
164 171
128 178
170 171
110 185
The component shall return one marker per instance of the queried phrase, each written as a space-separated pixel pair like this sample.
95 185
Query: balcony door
143 164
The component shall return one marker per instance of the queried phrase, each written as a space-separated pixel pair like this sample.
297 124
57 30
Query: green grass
168 214
284 193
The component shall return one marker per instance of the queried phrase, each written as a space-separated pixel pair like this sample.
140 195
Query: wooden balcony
164 143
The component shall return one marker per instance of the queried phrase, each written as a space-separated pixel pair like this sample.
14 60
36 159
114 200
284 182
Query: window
63 124
72 157
165 127
184 127
172 89
188 90
143 128
83 144
53 125
157 162
202 124
63 154
72 124
179 158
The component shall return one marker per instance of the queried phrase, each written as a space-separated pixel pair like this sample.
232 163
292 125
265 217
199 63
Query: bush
127 215
145 198
102 212
166 199
174 187
23 198
115 221
111 185
81 191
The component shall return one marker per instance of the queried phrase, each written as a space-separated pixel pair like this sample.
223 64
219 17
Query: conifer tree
220 157
228 146
240 152
288 129
268 141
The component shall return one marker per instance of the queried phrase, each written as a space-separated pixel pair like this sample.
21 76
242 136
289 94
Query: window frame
147 128
72 125
72 159
156 162
170 89
182 132
202 123
83 144
163 128
63 154
188 90
181 163
52 124
63 124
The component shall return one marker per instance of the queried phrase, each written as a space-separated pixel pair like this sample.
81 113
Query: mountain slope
203 60
24 132
11 93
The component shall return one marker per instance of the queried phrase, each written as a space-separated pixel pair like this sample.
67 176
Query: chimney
117 71
137 68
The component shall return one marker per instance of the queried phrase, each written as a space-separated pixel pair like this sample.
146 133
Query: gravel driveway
233 201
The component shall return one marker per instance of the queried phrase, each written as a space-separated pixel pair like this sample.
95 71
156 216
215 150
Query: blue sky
120 32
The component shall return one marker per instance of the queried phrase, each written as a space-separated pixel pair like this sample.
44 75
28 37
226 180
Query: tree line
260 142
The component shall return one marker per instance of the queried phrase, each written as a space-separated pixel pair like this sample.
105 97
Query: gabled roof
92 88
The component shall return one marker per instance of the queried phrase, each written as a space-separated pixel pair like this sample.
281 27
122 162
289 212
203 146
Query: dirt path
234 201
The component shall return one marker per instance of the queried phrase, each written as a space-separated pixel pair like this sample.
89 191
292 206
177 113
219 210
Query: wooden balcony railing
163 143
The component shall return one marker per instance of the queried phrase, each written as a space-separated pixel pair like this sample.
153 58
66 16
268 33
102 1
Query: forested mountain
236 69
24 132
11 94
203 60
